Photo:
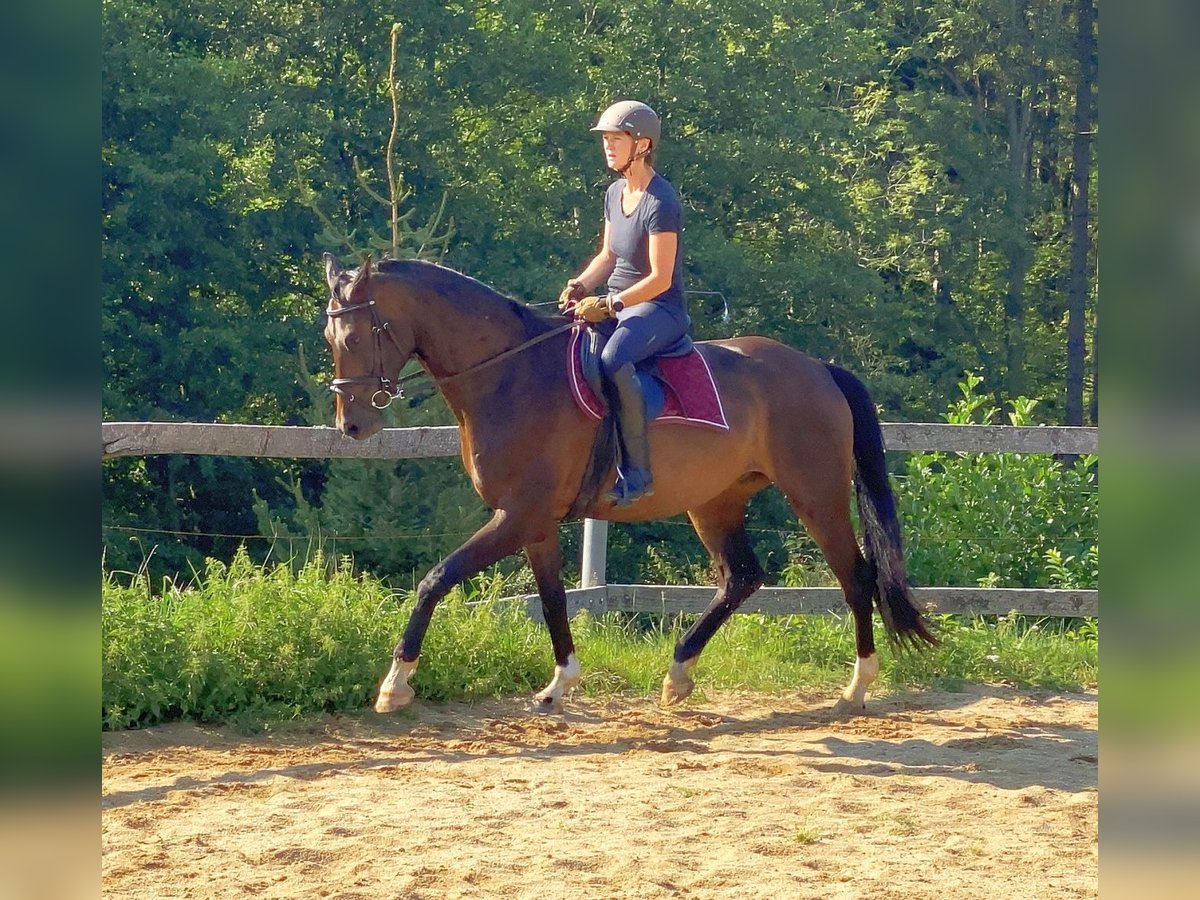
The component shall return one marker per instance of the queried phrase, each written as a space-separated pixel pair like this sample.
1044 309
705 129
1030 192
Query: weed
806 835
248 644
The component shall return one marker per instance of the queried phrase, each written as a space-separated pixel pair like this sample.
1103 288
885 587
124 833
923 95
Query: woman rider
641 261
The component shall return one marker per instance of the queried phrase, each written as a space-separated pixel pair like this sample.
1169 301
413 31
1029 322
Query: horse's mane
449 282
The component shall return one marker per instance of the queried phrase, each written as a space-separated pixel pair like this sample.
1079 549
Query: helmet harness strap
634 156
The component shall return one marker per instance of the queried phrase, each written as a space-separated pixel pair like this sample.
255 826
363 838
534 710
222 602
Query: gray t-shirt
629 236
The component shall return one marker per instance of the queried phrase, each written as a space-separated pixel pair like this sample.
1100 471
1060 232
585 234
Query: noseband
389 390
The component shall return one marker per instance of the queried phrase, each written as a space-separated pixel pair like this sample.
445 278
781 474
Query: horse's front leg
499 538
545 559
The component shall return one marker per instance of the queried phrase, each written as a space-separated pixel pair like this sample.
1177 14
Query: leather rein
390 389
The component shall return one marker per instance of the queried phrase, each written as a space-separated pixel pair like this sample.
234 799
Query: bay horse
807 427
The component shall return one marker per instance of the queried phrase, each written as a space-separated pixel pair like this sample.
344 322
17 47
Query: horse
809 428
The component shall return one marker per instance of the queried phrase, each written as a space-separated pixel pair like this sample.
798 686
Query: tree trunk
1019 114
1014 313
1095 404
1081 164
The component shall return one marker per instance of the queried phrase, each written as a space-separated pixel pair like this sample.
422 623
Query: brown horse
806 427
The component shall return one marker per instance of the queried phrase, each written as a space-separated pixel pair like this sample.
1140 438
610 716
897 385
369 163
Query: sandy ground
989 793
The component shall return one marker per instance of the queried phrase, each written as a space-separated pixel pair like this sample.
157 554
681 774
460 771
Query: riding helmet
629 115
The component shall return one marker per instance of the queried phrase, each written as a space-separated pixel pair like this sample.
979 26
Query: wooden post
595 553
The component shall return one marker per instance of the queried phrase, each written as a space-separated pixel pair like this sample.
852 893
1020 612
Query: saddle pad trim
581 399
589 403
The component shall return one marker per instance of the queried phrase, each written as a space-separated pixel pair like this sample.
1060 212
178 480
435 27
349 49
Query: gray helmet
629 115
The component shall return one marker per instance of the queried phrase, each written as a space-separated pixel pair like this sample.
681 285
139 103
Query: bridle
390 389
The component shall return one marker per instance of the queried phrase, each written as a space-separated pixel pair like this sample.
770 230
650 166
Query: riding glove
571 294
593 309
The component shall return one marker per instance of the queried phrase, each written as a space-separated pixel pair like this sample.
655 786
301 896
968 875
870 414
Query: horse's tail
877 512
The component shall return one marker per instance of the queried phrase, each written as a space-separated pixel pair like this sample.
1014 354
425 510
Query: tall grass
244 641
247 643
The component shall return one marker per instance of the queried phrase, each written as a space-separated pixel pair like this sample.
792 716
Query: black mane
448 282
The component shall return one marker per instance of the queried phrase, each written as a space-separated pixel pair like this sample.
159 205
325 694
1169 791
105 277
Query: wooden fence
594 593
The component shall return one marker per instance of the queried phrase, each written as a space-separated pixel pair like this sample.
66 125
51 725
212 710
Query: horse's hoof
546 706
390 701
678 685
394 691
673 693
848 708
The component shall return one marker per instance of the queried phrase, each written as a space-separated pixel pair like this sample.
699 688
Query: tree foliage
882 183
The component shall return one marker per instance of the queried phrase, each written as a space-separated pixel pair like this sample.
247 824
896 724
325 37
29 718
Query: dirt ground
982 794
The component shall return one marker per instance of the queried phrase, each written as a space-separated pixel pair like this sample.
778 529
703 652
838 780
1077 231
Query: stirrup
623 495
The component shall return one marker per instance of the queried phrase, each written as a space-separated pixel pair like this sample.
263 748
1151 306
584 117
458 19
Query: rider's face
618 148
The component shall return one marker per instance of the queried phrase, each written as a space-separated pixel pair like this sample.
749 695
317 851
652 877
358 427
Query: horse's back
785 395
758 363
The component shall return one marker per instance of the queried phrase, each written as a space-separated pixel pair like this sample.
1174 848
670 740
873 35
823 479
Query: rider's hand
571 294
593 309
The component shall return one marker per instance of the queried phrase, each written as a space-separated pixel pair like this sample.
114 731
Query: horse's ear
364 272
332 271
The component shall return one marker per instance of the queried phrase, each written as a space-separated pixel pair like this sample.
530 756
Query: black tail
877 511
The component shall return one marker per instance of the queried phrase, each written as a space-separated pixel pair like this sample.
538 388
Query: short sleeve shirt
629 236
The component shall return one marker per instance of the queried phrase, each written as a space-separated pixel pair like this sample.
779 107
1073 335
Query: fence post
595 553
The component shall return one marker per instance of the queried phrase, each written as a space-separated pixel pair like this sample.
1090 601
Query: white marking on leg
866 670
678 684
394 691
564 681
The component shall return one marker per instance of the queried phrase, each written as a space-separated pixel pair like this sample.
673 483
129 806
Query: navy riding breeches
641 332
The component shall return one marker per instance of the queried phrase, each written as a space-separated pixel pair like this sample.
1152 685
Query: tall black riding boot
634 480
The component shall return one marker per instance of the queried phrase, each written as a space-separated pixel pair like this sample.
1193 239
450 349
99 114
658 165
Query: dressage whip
725 315
421 373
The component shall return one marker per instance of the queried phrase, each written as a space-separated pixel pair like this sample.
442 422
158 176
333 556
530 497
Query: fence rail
272 441
669 600
293 442
287 442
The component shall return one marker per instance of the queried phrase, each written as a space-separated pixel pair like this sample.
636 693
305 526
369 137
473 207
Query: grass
246 644
905 826
806 835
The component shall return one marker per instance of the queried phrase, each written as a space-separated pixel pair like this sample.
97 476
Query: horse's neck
455 334
460 329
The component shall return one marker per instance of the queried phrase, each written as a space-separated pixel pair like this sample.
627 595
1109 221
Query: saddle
678 387
677 383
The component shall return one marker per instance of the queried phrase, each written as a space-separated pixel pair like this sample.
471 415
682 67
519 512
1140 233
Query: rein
554 332
379 327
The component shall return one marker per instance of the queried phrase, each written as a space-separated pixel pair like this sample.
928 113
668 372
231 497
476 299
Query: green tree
194 248
960 193
883 183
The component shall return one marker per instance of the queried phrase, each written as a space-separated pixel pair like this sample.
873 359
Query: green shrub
246 639
999 519
249 641
248 644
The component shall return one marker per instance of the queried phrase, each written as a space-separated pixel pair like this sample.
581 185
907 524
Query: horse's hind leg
828 521
545 559
720 523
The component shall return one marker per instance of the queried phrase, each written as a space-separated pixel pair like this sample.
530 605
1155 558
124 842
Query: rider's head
640 123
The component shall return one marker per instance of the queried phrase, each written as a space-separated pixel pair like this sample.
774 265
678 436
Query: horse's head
369 348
